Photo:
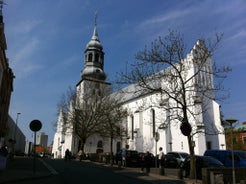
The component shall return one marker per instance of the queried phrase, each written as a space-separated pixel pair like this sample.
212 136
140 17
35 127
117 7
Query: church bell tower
94 59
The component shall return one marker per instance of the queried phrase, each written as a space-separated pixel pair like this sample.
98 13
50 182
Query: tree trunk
111 151
192 157
82 146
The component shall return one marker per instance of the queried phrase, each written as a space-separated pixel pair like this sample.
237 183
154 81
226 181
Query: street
66 172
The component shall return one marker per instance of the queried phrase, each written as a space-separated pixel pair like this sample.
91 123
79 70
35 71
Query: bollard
162 171
180 174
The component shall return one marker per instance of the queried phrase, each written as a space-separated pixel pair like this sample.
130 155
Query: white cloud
164 18
26 27
22 59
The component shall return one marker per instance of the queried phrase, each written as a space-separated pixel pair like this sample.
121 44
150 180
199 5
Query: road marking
51 169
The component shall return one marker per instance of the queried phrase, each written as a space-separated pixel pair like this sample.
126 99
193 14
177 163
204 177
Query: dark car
180 156
132 157
141 159
169 161
201 162
225 156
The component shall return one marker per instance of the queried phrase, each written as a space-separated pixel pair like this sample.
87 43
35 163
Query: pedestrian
4 151
160 156
147 161
123 154
161 161
67 154
80 154
142 162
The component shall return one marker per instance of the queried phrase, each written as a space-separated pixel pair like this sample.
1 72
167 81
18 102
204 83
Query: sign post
35 126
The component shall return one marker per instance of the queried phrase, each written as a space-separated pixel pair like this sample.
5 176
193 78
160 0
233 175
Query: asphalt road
70 172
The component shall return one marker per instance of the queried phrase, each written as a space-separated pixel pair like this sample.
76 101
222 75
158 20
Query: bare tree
91 110
112 116
183 80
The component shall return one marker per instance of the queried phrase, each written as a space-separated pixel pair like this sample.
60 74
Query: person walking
161 161
80 155
142 162
160 156
67 155
147 160
123 154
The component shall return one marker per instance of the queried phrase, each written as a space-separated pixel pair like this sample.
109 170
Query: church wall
57 146
148 111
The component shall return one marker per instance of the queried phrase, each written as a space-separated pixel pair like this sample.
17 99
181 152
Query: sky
46 41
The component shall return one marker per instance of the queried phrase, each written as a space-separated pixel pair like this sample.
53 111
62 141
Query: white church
148 124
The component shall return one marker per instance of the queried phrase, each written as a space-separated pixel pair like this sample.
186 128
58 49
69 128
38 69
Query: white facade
149 112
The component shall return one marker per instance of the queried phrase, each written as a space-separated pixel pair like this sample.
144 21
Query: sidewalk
170 175
22 169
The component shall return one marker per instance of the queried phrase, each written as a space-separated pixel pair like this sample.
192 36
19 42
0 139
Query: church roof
94 42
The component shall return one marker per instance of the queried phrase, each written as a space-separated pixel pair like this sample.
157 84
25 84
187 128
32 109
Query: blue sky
46 42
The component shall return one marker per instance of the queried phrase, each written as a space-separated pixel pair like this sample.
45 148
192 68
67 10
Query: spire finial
96 17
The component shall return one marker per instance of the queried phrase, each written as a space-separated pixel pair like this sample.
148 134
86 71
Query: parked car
180 156
141 159
170 161
201 162
132 157
225 156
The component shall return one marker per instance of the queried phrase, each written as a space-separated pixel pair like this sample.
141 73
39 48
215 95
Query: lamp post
231 121
16 125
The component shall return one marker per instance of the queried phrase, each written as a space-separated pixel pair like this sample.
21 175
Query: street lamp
16 125
231 121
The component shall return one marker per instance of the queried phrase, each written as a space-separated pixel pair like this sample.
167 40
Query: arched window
153 120
132 121
90 57
97 57
101 60
100 144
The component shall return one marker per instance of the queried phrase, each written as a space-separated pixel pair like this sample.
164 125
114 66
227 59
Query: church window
97 57
99 144
132 121
209 145
153 120
90 57
101 59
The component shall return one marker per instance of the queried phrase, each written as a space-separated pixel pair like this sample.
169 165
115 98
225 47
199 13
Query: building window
97 58
209 145
132 121
101 61
99 144
90 57
153 121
